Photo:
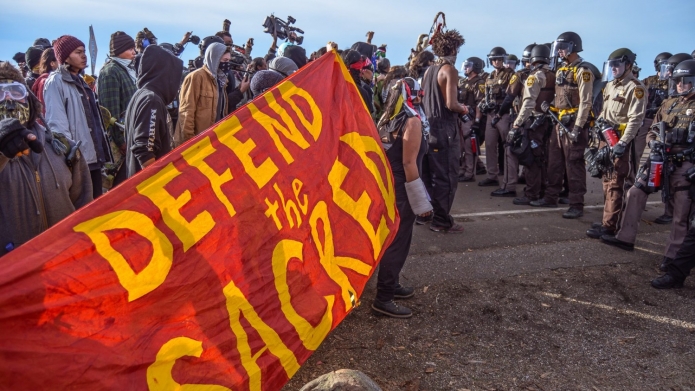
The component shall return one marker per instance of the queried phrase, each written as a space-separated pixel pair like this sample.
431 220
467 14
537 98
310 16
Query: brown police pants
614 190
682 208
511 169
640 144
566 156
536 174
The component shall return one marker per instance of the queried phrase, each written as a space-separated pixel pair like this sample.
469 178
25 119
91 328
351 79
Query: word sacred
292 209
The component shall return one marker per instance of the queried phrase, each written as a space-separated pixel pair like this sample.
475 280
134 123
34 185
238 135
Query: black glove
618 150
574 134
655 144
475 127
495 120
15 138
690 174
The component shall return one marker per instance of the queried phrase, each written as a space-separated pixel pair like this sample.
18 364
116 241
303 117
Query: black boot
613 241
596 233
573 213
664 219
667 281
664 264
403 292
391 309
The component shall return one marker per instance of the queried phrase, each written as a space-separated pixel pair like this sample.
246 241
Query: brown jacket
197 105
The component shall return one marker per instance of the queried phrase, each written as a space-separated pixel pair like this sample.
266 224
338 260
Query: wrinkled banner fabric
223 266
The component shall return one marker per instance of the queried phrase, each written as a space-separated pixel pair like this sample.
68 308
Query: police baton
545 106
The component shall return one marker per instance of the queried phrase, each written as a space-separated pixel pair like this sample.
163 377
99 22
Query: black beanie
33 57
120 42
19 57
297 54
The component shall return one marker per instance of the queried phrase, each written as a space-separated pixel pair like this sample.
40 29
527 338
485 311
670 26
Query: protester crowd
545 120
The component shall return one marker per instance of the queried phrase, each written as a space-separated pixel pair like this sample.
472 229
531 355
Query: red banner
221 267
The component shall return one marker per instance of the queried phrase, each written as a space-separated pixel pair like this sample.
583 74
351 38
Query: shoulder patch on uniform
639 92
586 76
530 81
513 79
481 87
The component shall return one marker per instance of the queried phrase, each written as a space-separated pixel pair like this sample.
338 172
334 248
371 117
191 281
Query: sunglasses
14 91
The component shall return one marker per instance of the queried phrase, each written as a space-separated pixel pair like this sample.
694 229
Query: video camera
275 25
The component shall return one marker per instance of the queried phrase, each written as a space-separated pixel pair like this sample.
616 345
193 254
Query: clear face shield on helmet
467 67
665 70
613 69
559 51
511 64
491 59
681 86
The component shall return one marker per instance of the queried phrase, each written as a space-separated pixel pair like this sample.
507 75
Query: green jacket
115 88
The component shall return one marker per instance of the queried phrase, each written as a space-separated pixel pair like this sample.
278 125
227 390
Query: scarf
128 65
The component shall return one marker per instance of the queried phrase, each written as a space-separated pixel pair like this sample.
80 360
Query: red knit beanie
64 46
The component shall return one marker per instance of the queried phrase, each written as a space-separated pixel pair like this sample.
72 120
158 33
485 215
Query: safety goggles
14 91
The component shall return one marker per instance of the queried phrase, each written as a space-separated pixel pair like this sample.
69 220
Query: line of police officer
570 114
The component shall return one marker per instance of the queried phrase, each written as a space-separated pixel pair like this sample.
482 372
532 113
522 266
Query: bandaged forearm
417 197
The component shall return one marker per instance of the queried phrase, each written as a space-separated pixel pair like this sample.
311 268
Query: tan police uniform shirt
532 88
625 102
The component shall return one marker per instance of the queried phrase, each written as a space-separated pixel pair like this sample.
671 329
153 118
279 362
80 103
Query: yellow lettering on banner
156 271
288 91
296 189
188 232
329 261
290 207
359 210
273 127
238 304
272 211
311 336
195 157
159 373
226 133
364 144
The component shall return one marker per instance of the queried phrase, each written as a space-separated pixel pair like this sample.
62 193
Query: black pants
96 183
121 176
685 257
440 172
394 257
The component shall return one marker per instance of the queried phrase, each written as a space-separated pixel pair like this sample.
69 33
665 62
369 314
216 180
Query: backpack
597 90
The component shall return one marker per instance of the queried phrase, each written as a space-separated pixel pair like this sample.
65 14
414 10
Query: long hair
47 57
420 63
447 43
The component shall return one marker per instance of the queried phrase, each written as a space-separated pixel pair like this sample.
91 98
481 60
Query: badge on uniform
586 76
513 79
639 93
530 81
481 87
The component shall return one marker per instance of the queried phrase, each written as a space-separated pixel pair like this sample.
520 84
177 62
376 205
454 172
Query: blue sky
646 27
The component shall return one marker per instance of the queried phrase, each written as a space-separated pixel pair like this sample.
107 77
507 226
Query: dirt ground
509 335
523 301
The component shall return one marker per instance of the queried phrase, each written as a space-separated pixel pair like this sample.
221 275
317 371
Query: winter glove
495 120
417 197
618 150
573 136
16 140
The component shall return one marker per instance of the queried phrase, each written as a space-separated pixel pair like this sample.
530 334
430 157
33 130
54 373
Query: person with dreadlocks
406 127
440 168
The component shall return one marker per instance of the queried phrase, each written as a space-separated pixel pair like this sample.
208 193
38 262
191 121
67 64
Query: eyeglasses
15 91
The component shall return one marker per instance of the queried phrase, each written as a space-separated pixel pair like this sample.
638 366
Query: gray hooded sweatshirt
213 55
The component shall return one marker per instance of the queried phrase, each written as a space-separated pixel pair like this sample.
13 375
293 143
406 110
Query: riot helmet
526 56
669 65
617 64
660 58
497 53
511 62
207 41
693 54
682 81
472 64
540 54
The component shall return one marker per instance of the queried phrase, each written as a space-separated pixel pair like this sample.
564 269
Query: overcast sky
646 27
